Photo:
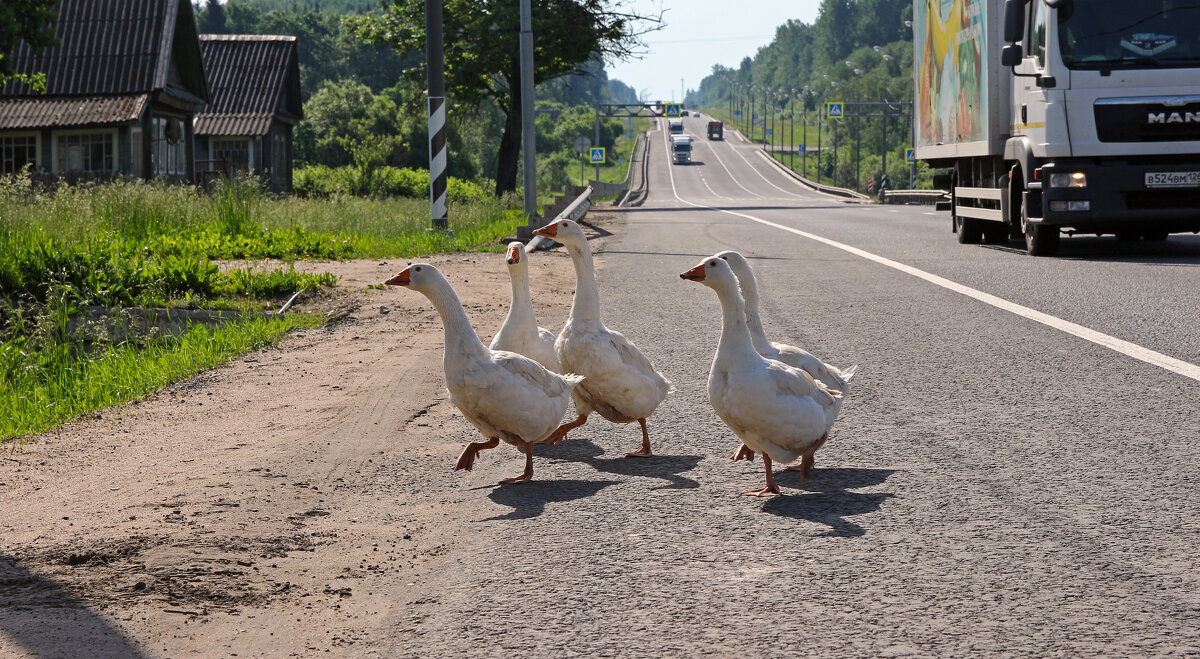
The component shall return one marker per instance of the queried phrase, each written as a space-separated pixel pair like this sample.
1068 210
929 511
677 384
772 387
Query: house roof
255 79
17 113
119 48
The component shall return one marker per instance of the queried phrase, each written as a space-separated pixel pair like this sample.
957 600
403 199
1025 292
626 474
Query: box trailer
1059 116
716 130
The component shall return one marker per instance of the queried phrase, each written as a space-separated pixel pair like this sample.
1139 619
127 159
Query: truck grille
1129 120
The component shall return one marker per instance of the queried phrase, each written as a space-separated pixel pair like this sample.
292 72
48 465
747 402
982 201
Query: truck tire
1040 239
995 233
969 230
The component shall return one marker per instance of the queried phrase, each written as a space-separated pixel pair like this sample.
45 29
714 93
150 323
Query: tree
211 19
482 50
31 21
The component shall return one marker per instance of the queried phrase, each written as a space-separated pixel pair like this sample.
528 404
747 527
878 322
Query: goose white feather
777 410
520 332
506 396
831 376
621 384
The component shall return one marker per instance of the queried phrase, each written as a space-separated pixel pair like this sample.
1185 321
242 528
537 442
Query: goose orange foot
644 451
764 491
561 433
528 473
743 453
467 459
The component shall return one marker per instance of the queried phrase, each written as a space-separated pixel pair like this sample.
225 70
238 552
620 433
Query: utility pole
437 116
528 136
597 142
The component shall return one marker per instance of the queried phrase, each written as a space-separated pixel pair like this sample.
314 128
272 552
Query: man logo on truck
1173 118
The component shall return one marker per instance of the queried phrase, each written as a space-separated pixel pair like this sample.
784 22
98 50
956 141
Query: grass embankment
139 245
616 167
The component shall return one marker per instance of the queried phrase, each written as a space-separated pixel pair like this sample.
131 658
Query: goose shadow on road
45 619
830 501
667 467
529 499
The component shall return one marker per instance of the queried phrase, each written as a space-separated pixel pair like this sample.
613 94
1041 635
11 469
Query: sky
699 34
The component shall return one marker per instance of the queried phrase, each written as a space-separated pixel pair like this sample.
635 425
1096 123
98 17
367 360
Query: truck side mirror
1011 55
1014 20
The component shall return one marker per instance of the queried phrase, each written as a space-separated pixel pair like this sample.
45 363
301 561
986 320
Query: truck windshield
1120 34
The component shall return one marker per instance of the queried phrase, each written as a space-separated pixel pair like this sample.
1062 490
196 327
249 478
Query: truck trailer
1056 116
716 130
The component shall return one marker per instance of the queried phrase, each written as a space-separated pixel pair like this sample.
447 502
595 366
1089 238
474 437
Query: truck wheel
1041 239
1155 235
969 230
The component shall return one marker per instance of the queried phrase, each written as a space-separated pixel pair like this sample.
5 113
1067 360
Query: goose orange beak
400 279
514 256
549 231
695 274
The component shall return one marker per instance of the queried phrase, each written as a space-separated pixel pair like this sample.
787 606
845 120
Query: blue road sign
597 156
770 131
754 116
671 110
737 113
910 156
800 148
833 110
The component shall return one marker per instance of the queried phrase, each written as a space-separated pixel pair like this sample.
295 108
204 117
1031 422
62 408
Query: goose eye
563 225
418 268
713 263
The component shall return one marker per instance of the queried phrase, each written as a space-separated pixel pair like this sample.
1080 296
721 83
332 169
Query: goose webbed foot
467 459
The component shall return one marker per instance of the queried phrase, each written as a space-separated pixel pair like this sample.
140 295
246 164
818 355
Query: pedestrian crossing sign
910 156
597 157
671 110
833 110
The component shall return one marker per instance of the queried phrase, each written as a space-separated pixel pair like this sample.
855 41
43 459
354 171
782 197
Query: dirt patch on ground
278 505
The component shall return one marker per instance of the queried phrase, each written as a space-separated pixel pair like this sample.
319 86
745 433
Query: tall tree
31 21
482 50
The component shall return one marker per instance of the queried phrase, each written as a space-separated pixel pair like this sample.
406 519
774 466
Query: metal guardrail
574 211
914 197
637 194
819 187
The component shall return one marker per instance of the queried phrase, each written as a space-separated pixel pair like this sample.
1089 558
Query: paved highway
1015 472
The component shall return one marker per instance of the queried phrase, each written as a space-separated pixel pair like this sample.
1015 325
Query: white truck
675 126
681 149
1087 121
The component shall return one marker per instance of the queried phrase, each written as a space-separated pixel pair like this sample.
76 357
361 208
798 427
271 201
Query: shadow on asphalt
831 500
1178 250
45 619
529 499
667 467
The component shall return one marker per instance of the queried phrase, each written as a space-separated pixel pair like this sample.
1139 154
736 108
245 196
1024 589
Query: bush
322 181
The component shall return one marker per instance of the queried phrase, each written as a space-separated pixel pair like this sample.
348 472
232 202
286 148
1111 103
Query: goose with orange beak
506 396
778 411
620 383
520 332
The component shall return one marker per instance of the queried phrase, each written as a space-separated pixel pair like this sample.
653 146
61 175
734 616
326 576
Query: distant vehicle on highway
681 149
676 126
716 130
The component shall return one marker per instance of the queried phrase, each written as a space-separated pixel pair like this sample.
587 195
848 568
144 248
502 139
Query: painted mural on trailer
951 76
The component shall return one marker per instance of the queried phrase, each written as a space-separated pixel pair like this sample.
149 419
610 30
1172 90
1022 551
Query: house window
168 147
136 157
16 151
235 152
85 153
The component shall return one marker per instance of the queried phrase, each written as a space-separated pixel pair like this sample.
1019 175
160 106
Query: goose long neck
749 288
586 305
735 333
460 336
520 312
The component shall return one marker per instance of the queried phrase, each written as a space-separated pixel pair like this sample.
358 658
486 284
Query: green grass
64 387
135 244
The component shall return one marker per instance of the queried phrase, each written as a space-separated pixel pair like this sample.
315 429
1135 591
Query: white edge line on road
1126 348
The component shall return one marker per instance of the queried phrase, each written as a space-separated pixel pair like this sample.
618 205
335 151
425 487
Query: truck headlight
1068 180
1070 206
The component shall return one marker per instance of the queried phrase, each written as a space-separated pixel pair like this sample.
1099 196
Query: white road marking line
1126 348
731 176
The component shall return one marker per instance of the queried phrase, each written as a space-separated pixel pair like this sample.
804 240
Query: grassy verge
64 387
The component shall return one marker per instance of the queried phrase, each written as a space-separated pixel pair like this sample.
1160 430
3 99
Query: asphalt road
995 485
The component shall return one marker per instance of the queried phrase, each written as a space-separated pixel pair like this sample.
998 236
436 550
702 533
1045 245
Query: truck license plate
1173 179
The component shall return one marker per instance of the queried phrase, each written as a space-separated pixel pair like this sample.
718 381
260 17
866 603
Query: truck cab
675 126
716 130
681 149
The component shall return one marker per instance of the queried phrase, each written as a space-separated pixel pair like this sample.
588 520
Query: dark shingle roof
16 113
254 79
115 47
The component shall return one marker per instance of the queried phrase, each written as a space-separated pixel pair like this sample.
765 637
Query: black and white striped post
437 115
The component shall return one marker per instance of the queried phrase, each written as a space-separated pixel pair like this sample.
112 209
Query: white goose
504 395
831 376
520 332
828 375
777 410
621 384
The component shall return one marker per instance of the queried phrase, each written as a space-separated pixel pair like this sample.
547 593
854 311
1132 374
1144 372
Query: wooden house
122 89
248 125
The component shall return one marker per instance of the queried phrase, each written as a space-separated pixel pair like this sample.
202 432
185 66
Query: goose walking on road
506 396
777 410
520 332
620 383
